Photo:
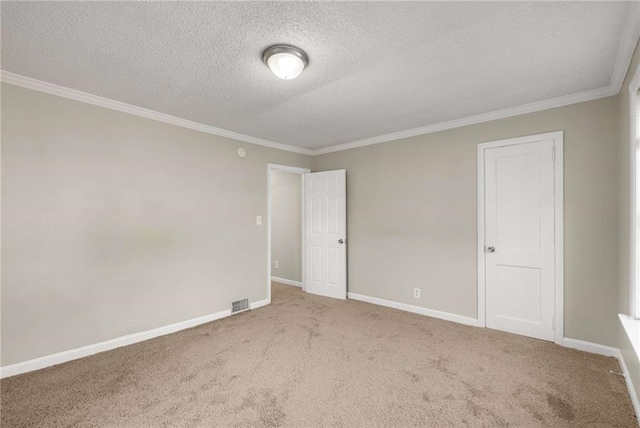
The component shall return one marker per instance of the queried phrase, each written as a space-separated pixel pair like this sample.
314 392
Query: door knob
341 241
491 249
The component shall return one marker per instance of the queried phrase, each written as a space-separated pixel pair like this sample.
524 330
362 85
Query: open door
326 233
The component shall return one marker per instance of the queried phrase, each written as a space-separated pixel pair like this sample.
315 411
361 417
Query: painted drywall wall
412 215
286 225
115 224
624 163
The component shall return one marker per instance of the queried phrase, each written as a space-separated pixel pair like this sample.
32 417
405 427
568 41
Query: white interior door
519 239
326 233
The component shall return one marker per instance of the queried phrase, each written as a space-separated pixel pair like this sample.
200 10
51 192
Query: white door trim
558 138
634 302
302 172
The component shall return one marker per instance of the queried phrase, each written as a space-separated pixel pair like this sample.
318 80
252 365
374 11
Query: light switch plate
259 220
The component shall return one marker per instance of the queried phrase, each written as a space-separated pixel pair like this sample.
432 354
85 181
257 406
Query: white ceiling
374 68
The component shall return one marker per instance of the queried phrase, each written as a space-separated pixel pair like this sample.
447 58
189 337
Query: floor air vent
239 306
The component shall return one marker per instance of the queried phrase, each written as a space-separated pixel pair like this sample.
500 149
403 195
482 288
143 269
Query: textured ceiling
374 68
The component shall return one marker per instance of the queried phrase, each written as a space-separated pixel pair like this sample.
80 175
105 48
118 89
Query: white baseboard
608 351
630 387
594 348
461 319
259 304
286 281
85 351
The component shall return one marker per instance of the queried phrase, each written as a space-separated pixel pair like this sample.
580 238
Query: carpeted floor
309 361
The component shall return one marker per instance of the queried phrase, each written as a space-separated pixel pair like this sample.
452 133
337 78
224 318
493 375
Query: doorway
520 236
286 226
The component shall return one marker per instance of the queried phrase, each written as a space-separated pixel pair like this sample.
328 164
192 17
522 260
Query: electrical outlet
277 264
416 293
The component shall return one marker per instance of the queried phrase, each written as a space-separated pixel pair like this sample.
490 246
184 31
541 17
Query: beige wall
286 225
624 216
115 224
412 215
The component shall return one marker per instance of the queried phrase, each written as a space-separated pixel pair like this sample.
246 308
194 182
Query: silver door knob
491 249
341 241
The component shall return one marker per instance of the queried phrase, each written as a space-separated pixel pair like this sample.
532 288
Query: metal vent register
239 306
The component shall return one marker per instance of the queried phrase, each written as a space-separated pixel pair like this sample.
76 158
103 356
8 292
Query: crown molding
50 88
626 48
72 94
628 41
479 118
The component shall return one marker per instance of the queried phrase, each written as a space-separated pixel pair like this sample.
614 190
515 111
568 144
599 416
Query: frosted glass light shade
285 66
286 62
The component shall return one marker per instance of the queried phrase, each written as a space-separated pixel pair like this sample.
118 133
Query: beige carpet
310 361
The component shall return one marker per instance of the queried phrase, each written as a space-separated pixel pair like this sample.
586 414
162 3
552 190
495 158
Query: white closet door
519 239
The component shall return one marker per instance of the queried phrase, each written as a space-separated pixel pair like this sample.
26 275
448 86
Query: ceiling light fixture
286 62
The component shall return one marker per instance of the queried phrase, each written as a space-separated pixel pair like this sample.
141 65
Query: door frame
558 139
634 201
296 170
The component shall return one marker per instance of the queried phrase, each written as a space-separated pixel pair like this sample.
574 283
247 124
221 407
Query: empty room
320 214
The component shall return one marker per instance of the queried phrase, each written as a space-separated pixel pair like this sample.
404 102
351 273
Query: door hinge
553 323
553 153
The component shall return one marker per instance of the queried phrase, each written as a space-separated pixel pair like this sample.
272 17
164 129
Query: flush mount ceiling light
286 62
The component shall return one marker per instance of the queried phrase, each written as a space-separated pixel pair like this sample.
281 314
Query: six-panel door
326 233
